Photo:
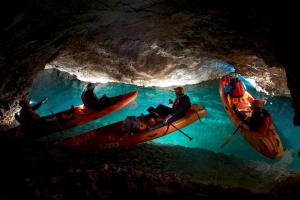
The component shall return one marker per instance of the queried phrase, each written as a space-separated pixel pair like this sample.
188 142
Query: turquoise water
63 91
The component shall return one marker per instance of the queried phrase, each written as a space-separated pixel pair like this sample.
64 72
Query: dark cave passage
149 46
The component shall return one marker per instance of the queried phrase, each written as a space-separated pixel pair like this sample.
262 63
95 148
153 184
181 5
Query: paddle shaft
228 139
56 120
190 138
236 130
181 131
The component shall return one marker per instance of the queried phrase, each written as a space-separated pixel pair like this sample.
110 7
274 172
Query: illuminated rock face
142 42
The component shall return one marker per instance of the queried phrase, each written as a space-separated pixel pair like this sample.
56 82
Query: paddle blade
227 141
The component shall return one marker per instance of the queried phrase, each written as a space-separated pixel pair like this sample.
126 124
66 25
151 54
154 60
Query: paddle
56 120
173 126
229 138
36 106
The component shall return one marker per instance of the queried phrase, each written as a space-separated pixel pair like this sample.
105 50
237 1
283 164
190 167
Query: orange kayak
82 115
114 135
268 143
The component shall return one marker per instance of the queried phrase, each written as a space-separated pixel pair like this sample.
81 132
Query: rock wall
149 42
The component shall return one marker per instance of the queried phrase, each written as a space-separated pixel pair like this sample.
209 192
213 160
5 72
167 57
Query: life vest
238 89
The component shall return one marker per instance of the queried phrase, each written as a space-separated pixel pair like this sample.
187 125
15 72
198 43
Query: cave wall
284 38
139 40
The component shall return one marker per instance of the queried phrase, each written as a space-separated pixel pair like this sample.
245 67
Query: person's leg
156 126
163 109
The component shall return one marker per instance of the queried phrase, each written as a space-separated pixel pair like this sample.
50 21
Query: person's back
238 89
235 88
260 120
88 97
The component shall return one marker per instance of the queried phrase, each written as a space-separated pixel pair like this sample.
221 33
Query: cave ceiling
133 41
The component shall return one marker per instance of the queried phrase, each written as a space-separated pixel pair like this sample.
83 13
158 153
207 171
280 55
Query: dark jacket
28 117
89 99
182 105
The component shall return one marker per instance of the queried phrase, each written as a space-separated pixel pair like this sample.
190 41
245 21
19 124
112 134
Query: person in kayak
31 119
180 107
91 101
259 119
236 88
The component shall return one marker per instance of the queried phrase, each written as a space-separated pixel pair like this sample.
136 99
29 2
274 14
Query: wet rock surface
146 171
140 42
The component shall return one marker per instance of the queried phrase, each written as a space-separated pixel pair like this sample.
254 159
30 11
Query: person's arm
36 106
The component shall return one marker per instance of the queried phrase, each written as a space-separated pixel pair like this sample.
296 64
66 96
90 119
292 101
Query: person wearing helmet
235 88
28 118
259 120
179 108
90 100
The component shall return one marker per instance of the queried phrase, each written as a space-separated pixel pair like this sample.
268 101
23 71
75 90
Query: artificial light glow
253 81
91 76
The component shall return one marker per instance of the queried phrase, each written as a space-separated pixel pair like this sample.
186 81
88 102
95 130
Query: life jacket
238 89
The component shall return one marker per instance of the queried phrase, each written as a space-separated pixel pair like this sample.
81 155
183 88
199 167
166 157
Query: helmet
90 86
179 90
258 103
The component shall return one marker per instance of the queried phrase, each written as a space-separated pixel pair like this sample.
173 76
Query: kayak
81 115
266 142
115 136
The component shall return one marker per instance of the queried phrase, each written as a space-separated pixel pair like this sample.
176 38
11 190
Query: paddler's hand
45 99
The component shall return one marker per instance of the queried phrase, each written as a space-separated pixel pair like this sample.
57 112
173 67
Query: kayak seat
243 107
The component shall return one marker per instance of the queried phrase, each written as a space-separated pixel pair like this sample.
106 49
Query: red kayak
115 136
266 142
81 115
